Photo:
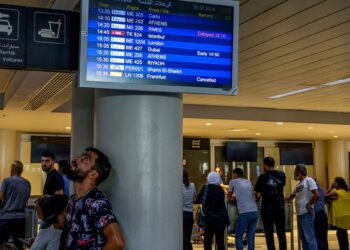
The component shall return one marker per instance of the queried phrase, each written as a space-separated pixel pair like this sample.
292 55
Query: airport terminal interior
292 103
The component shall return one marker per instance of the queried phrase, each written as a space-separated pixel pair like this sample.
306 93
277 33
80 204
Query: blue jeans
306 231
246 221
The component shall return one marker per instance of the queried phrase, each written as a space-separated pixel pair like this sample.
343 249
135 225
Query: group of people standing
83 221
269 189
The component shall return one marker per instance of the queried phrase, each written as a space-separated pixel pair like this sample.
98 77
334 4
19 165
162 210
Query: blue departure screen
160 42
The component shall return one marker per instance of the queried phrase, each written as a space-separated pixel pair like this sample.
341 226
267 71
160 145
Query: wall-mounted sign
49 27
196 143
41 39
12 36
170 46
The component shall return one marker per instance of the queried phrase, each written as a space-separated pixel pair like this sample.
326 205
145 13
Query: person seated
54 211
48 237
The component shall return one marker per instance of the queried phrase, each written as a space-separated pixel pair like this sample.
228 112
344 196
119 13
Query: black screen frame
244 156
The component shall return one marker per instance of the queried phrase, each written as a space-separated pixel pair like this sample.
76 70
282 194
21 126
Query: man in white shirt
247 208
306 195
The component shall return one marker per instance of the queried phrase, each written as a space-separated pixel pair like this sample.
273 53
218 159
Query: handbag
201 214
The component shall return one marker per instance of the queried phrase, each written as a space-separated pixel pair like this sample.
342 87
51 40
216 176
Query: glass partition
197 164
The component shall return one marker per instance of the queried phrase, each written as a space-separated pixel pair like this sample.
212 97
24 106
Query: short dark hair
185 178
63 166
17 167
238 171
102 165
49 154
341 183
269 161
41 200
53 206
302 169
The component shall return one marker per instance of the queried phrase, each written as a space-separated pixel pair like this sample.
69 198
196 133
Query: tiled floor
260 242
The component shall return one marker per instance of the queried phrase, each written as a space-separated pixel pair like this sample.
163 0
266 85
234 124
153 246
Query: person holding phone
305 194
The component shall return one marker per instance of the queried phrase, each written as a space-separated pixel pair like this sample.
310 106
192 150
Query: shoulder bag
201 214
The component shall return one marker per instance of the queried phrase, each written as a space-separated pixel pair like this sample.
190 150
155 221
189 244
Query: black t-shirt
270 185
54 182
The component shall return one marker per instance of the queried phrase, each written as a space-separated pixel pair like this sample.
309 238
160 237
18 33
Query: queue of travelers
310 202
86 220
83 221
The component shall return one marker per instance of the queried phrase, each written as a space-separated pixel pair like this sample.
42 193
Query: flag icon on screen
118 33
116 74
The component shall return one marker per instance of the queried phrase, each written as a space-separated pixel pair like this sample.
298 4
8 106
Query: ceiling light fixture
293 92
208 124
299 91
310 128
238 130
279 123
258 133
68 128
335 136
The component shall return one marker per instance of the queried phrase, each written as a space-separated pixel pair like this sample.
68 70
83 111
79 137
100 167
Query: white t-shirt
303 194
187 197
48 239
244 193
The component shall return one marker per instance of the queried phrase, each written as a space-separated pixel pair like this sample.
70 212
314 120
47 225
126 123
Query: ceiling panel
305 38
5 78
275 15
294 22
291 67
253 8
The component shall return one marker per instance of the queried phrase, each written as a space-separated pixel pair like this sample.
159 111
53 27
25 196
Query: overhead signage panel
40 39
12 36
50 39
171 46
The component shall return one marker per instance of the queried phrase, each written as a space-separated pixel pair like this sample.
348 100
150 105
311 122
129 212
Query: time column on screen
103 26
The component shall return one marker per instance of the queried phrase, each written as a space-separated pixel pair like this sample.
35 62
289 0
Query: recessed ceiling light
258 133
279 123
68 128
335 136
310 128
208 124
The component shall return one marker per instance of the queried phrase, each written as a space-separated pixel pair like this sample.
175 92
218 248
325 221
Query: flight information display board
171 46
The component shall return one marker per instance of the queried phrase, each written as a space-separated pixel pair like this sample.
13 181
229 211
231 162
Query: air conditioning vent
53 87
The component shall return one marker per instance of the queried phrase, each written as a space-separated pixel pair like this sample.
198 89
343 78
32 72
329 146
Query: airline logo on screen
160 42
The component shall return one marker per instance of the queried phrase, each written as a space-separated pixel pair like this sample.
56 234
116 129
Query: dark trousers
270 219
187 230
219 238
342 235
14 227
321 230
